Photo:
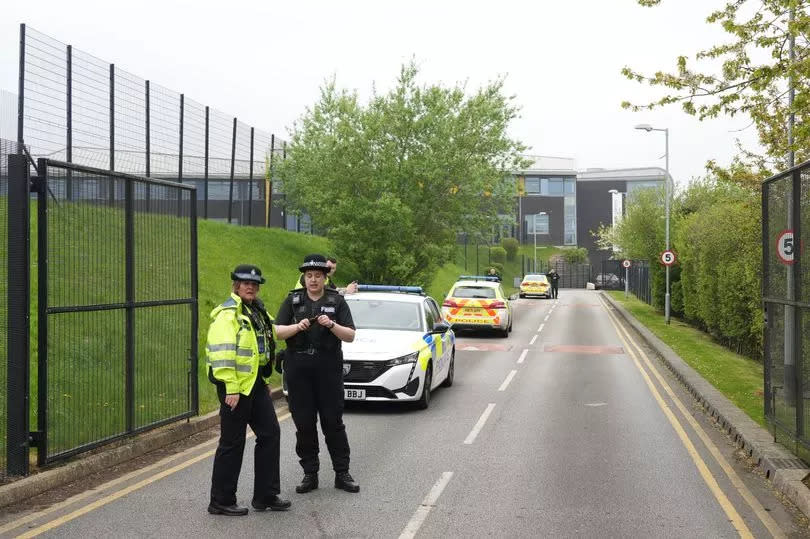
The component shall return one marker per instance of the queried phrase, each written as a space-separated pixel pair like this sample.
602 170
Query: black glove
280 360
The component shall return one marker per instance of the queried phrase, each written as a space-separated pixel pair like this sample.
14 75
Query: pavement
780 466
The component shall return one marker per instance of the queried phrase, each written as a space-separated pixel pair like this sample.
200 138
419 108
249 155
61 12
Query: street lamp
534 228
648 128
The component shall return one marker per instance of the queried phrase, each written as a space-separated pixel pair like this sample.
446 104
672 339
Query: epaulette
230 302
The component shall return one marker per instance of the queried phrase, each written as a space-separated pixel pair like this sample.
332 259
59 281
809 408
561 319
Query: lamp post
648 128
613 193
534 229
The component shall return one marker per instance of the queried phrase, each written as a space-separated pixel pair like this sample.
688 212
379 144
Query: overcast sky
263 61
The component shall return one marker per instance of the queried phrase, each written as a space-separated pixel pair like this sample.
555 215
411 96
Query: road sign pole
626 265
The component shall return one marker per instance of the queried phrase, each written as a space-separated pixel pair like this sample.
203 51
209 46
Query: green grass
737 377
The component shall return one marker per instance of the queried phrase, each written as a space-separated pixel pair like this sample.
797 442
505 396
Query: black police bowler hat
314 262
246 272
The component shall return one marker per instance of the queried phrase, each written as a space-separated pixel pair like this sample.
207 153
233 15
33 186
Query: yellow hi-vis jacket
236 352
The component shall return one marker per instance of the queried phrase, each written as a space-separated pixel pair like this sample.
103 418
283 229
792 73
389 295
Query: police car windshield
385 314
478 292
535 278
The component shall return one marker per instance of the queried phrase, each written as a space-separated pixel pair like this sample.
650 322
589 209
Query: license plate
471 310
354 394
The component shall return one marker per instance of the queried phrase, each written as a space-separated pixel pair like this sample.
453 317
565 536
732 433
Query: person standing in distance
240 351
554 279
314 321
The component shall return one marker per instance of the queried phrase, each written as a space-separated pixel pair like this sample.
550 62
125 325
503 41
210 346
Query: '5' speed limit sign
668 257
786 247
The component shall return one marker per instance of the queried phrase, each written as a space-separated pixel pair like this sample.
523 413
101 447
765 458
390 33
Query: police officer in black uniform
554 278
314 320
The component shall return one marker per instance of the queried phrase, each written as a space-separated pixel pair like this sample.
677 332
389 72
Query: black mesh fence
6 148
80 109
786 295
117 330
639 281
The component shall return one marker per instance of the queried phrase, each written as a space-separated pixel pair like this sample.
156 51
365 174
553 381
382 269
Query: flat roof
627 174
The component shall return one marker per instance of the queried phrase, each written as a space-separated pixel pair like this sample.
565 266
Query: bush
511 246
498 267
497 254
577 255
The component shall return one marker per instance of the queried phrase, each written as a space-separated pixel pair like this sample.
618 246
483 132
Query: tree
395 181
748 82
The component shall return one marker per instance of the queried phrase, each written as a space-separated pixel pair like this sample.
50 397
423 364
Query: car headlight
404 360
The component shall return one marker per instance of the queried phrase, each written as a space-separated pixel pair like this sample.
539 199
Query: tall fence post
148 142
112 127
40 438
205 166
194 367
69 122
19 322
233 158
268 184
250 182
129 278
180 157
21 96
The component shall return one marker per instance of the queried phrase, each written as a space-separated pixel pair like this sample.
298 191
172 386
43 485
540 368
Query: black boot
230 510
344 481
274 503
310 482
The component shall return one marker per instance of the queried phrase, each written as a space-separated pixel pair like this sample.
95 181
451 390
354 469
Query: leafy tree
395 181
575 255
511 245
753 78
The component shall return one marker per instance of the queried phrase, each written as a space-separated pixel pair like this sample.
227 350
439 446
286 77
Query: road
567 428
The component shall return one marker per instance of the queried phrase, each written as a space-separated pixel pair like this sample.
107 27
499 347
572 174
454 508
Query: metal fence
6 148
786 297
639 281
76 108
116 279
571 275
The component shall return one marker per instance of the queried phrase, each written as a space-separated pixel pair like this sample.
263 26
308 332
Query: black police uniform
554 277
314 371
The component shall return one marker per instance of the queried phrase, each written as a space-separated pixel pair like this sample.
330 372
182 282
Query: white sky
263 61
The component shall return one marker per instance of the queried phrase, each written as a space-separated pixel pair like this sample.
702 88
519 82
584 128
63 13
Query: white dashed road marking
523 355
424 508
505 383
532 341
478 426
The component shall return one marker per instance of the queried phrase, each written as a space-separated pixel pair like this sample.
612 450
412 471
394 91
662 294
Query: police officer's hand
303 325
325 321
232 400
351 288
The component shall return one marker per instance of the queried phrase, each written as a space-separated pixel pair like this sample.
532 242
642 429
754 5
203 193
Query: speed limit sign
785 247
668 257
626 264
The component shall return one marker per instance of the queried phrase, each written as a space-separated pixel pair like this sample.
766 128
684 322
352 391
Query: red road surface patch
582 349
483 347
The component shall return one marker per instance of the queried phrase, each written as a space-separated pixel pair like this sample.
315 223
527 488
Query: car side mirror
440 327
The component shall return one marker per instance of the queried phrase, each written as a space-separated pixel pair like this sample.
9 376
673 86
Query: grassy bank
737 377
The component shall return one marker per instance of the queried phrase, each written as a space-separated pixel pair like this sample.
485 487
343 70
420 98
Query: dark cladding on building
563 207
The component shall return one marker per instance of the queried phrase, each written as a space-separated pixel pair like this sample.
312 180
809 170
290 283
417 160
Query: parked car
535 284
478 302
402 349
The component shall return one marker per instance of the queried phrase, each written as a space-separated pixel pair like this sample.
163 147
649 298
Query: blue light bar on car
390 288
493 278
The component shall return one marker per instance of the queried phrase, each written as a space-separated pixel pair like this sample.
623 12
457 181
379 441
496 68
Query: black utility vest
316 337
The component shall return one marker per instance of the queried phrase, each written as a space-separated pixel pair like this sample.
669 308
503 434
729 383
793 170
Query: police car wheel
424 400
451 371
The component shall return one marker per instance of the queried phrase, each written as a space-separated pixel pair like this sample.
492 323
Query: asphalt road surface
567 428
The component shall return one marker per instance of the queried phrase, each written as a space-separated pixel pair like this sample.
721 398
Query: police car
535 285
478 302
402 348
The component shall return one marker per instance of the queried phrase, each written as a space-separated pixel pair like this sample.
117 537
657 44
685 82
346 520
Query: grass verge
737 377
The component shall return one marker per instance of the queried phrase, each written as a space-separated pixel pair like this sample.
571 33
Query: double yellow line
185 456
638 356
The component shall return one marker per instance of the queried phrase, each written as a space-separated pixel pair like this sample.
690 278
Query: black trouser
315 387
554 289
257 411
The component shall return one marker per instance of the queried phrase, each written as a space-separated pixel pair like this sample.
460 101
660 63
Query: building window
570 221
632 186
533 185
542 224
570 186
555 187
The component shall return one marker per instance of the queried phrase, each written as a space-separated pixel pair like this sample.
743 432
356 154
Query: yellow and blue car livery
402 350
478 302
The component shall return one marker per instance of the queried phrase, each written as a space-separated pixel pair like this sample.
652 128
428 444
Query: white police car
402 348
